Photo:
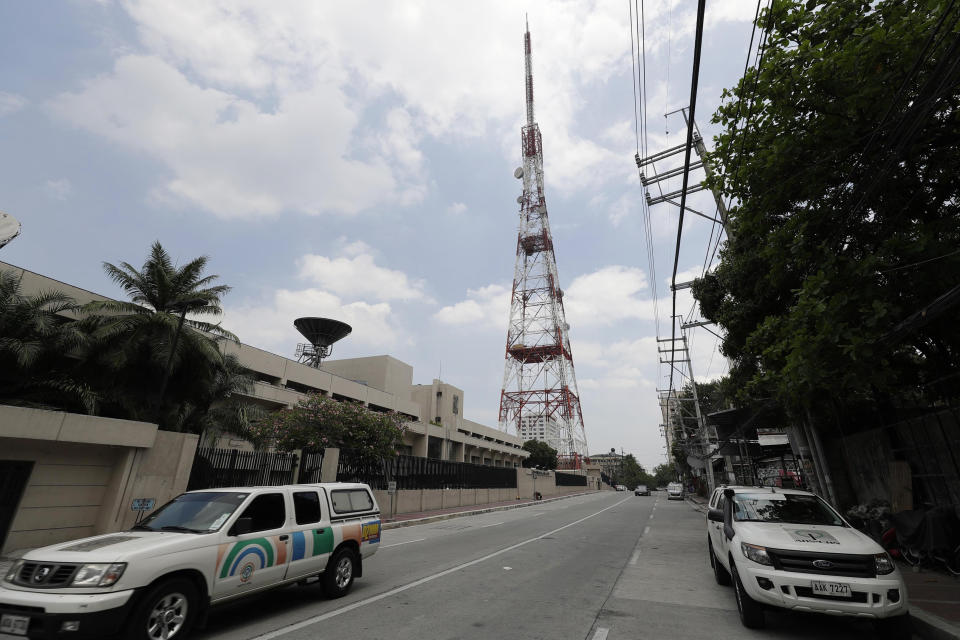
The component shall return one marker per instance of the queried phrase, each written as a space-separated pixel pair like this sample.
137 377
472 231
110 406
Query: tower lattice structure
539 398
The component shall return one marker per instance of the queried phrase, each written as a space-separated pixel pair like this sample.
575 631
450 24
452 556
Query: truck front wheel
167 611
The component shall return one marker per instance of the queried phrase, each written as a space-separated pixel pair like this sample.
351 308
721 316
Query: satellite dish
518 173
321 333
9 228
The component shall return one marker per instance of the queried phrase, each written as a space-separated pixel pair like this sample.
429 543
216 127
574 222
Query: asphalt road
599 567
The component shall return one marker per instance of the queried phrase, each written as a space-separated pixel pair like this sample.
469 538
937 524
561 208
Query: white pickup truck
788 549
157 580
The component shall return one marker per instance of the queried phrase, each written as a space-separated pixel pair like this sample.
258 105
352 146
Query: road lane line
416 583
397 544
495 524
635 557
601 634
646 530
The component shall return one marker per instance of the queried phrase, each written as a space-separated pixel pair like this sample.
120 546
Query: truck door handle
319 530
284 537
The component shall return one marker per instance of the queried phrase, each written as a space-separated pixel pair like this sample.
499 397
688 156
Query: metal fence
411 472
570 479
310 467
214 468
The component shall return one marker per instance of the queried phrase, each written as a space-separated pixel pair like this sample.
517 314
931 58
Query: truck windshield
779 507
194 512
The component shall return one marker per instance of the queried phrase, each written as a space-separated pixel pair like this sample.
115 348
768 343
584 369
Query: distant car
641 490
620 487
674 490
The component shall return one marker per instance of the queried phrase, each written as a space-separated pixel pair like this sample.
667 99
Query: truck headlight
756 553
98 575
14 570
883 564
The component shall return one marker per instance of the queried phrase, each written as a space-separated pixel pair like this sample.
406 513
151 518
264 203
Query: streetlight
183 306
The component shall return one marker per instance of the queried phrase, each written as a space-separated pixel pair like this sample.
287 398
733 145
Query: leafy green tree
541 455
631 473
318 422
36 340
146 348
840 155
664 474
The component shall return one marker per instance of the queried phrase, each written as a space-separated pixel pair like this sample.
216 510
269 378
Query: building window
456 405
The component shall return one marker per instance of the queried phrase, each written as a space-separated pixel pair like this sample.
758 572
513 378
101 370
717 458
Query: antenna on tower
529 68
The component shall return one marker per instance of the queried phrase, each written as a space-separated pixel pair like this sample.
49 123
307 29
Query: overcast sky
355 160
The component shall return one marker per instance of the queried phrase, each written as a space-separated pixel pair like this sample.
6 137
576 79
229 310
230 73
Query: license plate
16 625
835 589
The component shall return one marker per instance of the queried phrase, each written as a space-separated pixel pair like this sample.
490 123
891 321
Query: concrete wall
86 471
546 484
417 500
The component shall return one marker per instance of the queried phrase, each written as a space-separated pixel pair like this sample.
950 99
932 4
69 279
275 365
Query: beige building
436 427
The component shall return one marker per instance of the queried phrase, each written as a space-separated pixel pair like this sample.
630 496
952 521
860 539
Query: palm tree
151 360
37 341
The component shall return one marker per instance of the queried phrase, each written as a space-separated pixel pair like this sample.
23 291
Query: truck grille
43 575
840 564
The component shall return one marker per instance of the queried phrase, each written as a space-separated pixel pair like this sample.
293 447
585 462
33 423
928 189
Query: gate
14 475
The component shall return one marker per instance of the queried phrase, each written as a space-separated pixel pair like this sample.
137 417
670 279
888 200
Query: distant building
435 428
544 429
609 463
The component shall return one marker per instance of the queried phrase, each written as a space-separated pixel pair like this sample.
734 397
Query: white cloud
269 324
228 156
457 208
487 306
11 103
257 108
622 208
357 275
608 295
58 189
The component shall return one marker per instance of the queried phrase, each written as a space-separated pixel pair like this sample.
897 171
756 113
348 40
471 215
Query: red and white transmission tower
539 399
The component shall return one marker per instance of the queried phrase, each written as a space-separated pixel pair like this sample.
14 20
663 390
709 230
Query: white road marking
651 516
601 634
397 544
508 568
416 583
646 530
495 524
635 557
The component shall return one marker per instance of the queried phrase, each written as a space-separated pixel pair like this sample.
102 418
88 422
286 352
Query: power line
698 44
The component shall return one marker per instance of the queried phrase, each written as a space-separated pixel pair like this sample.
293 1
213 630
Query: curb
457 514
702 508
932 627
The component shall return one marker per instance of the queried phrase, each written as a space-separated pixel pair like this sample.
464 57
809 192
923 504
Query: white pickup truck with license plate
157 580
788 549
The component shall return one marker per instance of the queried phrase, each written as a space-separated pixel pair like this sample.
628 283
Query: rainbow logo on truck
259 553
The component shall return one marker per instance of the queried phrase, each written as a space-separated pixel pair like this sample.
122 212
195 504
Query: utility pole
704 432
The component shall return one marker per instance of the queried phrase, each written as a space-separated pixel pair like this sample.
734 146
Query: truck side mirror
728 514
242 526
715 515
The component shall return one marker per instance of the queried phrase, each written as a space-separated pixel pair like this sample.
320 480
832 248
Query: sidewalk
934 597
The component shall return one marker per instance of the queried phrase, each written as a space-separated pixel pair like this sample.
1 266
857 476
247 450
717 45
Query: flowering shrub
318 422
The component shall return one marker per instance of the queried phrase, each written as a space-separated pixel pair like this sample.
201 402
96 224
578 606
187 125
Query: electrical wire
697 47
